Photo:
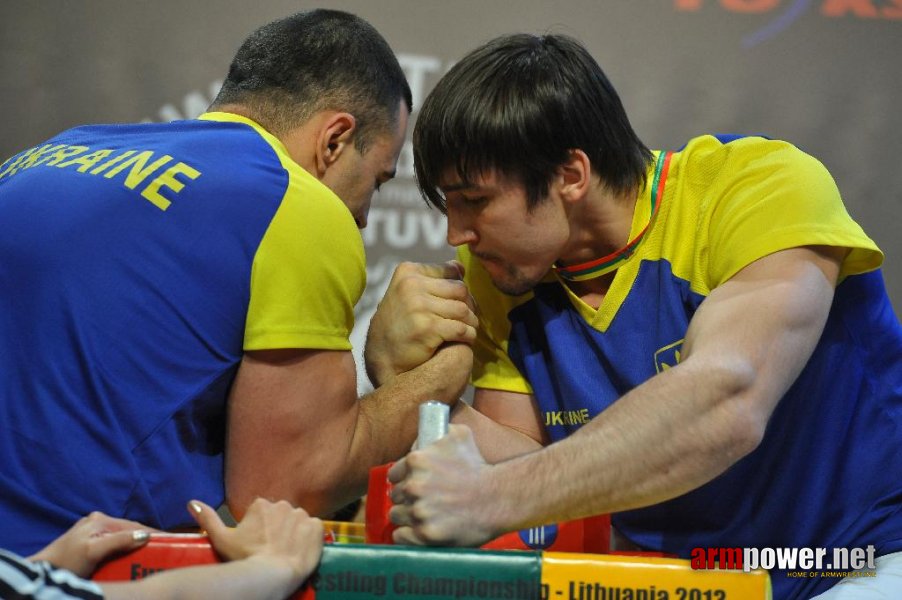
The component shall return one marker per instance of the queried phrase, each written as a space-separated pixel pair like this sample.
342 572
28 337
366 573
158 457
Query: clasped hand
442 494
424 307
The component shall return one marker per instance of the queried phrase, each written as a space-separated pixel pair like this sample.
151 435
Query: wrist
508 510
375 375
282 572
42 555
380 372
459 412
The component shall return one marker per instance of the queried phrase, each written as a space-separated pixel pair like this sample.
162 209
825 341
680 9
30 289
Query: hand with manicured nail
274 533
92 539
269 554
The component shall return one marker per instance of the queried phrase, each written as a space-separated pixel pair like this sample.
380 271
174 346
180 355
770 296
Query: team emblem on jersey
668 356
539 538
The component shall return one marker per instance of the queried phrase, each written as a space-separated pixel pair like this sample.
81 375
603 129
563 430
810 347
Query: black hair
520 104
289 69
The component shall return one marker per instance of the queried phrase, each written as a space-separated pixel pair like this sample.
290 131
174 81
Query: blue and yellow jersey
137 264
816 478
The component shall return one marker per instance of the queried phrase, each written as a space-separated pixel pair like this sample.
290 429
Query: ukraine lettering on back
151 174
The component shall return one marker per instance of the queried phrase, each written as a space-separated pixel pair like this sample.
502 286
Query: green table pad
356 571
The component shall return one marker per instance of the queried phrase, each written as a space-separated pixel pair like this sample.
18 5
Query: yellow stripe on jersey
309 270
725 205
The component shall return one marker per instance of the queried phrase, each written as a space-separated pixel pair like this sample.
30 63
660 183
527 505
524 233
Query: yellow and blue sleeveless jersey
137 264
821 476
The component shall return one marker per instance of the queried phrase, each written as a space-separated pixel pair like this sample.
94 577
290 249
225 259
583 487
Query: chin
515 284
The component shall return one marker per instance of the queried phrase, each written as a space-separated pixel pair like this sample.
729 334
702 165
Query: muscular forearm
385 430
386 425
496 442
298 432
667 437
746 345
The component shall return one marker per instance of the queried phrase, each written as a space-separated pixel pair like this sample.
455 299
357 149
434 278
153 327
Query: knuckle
405 267
397 514
418 305
400 536
284 505
455 289
315 526
460 287
445 329
454 330
410 291
418 513
431 533
461 311
413 490
432 338
415 459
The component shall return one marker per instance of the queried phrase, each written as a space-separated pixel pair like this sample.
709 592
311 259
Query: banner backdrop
823 74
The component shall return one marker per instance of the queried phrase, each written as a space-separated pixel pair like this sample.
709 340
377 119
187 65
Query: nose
363 214
459 231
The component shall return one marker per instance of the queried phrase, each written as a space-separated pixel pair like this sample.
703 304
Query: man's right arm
297 430
744 348
424 306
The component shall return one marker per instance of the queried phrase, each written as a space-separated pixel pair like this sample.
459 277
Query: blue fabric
122 324
826 473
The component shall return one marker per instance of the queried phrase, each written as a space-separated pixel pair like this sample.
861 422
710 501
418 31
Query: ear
334 136
573 176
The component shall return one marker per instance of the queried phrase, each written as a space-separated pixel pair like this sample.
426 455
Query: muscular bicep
765 321
291 414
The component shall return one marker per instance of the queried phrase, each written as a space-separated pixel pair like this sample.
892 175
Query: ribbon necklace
606 264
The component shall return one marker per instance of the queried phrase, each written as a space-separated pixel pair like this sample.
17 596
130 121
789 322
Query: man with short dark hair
701 338
177 298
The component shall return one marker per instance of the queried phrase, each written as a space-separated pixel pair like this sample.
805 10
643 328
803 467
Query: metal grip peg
433 425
